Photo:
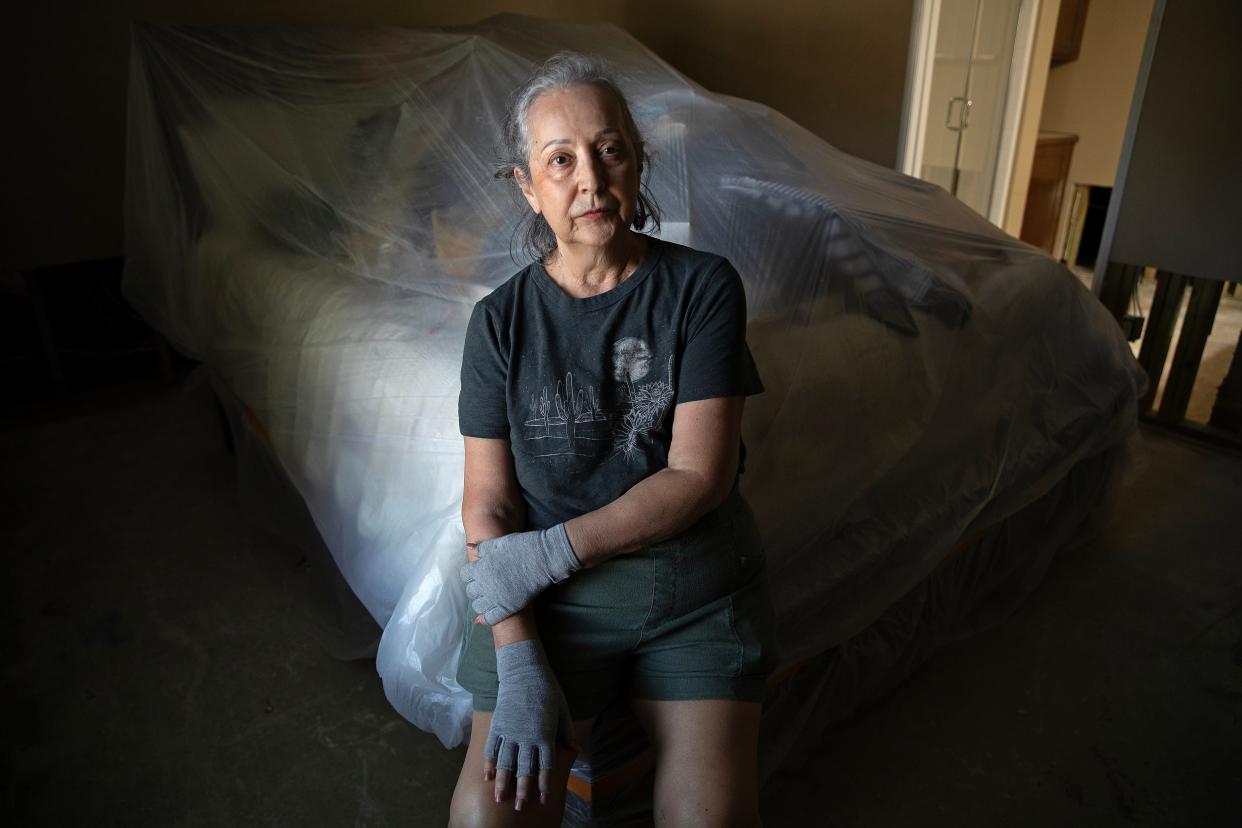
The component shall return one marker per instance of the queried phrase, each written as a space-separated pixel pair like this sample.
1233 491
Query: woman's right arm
492 506
531 713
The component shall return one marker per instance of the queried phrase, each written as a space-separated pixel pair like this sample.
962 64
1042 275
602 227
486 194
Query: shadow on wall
70 81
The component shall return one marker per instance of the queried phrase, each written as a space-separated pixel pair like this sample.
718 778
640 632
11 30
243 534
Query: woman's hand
511 570
530 711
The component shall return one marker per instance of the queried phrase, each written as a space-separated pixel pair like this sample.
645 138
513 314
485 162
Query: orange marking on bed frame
615 780
256 425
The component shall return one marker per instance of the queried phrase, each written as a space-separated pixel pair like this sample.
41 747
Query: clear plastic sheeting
988 577
313 212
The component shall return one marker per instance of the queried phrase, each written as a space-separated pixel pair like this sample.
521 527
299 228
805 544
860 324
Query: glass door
969 89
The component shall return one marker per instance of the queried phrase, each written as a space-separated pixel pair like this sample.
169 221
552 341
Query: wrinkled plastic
312 213
987 578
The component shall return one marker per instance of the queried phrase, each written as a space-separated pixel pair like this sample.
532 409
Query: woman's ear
527 191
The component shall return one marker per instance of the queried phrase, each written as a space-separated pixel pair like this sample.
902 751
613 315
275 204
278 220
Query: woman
611 554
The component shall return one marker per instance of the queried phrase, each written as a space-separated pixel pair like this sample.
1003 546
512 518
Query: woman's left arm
702 466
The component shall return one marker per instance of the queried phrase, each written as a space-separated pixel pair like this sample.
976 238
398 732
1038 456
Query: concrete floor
165 661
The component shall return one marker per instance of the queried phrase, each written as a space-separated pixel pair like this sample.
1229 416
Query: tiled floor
1217 356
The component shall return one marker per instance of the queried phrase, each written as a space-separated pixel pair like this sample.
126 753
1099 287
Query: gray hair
565 69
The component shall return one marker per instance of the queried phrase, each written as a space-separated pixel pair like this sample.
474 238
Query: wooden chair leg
1227 410
1197 325
1154 352
1118 286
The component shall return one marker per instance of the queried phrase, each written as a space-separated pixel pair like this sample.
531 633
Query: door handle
963 118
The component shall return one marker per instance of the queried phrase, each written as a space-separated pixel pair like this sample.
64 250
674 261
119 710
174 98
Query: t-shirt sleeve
482 410
715 361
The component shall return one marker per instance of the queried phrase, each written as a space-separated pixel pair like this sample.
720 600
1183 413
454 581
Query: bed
312 214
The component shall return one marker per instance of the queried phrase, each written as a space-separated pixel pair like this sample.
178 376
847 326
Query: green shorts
688 618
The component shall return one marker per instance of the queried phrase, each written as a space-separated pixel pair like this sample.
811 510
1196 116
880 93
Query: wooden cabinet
1071 20
1044 197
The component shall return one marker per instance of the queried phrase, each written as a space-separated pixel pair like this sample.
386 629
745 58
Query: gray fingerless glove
513 569
530 710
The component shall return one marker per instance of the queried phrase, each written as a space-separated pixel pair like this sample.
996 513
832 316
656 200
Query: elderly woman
611 554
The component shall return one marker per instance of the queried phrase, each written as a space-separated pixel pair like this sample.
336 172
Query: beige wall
836 67
1090 97
1028 122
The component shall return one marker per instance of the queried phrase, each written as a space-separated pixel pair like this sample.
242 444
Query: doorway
969 65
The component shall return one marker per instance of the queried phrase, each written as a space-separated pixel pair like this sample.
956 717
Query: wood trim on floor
1154 351
1196 327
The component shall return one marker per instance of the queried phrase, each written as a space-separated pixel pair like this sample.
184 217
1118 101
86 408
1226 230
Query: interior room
984 480
1086 109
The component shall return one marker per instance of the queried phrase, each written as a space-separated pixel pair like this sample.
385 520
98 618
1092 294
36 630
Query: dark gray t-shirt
584 389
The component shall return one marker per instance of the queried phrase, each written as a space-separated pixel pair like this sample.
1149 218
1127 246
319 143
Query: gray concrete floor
165 663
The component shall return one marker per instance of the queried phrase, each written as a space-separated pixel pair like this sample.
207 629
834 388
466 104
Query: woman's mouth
595 214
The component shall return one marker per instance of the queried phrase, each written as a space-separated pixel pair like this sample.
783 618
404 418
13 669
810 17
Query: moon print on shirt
631 359
567 418
647 403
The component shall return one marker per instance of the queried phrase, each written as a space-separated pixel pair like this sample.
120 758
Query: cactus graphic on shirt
568 412
558 412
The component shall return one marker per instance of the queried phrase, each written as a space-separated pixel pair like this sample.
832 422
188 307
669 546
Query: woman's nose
590 175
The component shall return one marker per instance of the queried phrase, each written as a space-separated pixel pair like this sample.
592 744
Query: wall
836 67
64 132
1028 122
1090 97
1176 206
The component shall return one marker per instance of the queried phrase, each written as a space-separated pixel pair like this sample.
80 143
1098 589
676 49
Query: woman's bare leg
707 761
474 798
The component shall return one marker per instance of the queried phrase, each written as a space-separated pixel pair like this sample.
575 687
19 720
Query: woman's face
584 169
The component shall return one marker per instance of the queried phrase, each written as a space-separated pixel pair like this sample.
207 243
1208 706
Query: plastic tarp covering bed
313 213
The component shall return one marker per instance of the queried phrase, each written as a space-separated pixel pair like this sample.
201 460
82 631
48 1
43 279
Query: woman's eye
559 160
612 154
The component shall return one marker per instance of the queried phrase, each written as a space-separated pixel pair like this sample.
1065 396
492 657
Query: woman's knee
477 809
704 799
464 813
706 763
474 804
684 813
482 811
